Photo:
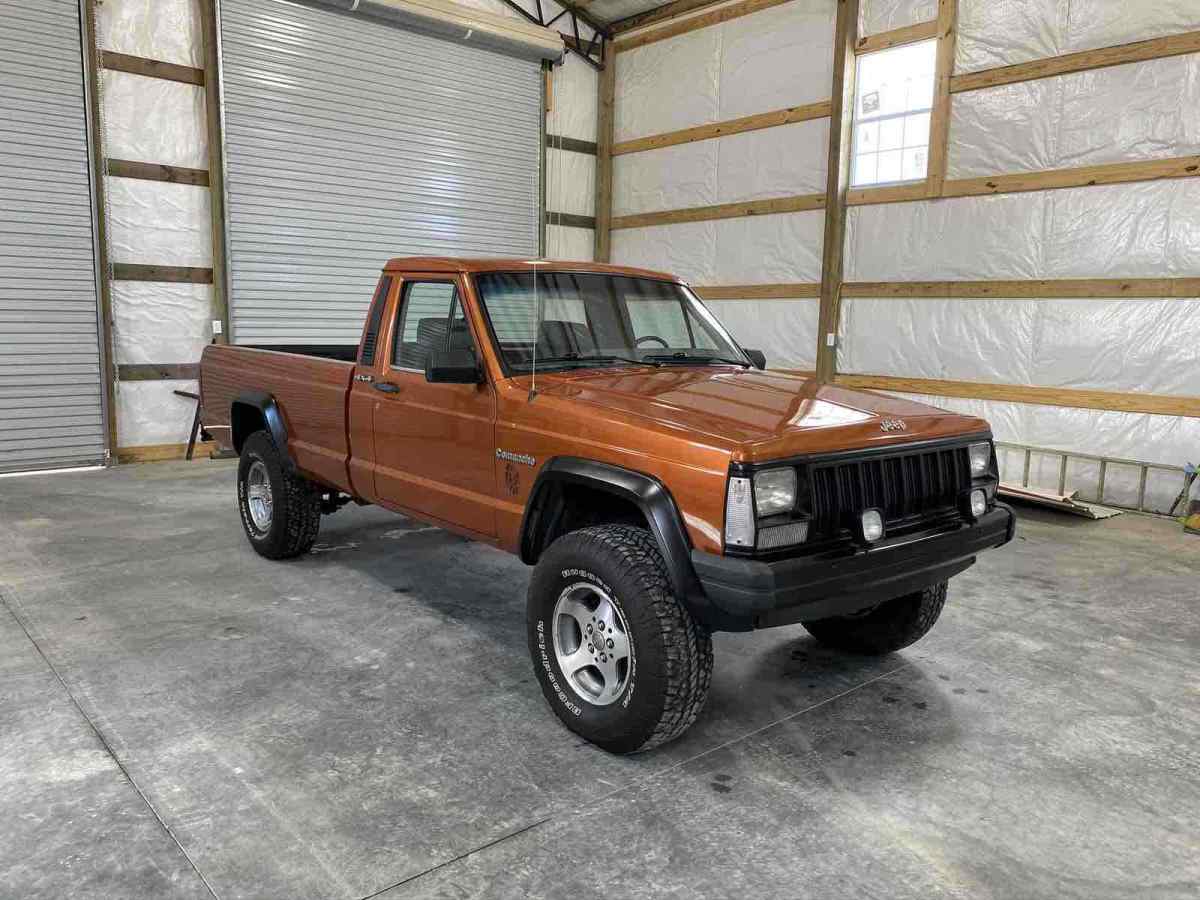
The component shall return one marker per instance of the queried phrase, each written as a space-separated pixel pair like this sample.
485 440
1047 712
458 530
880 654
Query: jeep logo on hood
893 425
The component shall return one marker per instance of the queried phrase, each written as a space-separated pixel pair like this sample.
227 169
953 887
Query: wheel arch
255 410
551 495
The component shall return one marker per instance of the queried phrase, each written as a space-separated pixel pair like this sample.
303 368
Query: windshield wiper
680 356
599 357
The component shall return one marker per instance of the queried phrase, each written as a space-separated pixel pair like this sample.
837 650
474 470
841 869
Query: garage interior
990 207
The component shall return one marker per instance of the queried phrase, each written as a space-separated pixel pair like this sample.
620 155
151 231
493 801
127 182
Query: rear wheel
888 627
619 658
281 511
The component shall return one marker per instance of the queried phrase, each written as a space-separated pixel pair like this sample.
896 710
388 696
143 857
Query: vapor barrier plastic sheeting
161 323
785 330
994 33
769 60
154 120
1140 111
1146 346
875 16
149 413
166 30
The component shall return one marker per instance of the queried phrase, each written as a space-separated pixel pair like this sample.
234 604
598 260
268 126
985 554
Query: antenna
537 328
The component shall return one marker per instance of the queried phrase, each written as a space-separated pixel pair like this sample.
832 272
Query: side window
430 318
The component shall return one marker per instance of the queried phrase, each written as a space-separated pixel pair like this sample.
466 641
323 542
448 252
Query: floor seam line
4 600
417 875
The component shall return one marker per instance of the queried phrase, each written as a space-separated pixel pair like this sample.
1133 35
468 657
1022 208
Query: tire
294 512
668 667
891 626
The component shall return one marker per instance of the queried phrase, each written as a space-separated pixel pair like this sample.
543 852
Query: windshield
595 319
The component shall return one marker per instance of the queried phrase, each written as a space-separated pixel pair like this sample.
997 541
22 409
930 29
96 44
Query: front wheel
888 627
619 658
281 511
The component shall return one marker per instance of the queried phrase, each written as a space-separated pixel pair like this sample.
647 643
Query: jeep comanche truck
600 423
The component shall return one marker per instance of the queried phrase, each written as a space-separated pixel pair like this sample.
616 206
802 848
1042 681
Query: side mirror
452 367
757 357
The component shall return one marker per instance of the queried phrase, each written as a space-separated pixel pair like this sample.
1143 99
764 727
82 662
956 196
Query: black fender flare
646 492
272 417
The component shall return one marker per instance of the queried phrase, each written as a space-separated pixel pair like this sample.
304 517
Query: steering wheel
651 337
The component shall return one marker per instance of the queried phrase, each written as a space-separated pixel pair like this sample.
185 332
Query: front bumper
757 594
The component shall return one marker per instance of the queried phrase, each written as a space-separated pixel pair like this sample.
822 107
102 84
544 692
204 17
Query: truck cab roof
402 264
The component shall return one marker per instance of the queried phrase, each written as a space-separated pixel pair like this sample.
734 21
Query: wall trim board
1087 176
704 20
1110 401
181 274
659 14
150 68
1035 289
570 220
158 371
939 120
164 452
1140 51
773 119
800 290
606 90
740 209
214 117
1021 182
837 184
126 168
897 37
570 144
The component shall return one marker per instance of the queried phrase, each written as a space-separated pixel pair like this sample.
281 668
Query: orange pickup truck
599 422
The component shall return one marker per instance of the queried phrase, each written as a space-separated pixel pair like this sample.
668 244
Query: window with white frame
892 103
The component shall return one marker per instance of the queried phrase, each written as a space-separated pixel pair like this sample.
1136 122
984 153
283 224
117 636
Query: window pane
891 114
424 323
864 169
915 164
889 166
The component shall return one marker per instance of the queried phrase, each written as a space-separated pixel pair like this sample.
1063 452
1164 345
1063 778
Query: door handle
386 386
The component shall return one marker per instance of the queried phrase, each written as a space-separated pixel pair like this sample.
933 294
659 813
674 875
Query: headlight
774 491
981 459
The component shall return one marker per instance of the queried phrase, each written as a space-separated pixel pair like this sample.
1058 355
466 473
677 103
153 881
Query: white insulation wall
1140 111
766 61
152 120
570 176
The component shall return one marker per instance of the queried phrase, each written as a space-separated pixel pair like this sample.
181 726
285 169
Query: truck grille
908 487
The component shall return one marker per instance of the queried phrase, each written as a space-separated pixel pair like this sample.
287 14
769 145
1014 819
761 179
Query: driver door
435 444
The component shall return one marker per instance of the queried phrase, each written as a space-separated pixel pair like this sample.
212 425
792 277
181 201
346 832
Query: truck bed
311 390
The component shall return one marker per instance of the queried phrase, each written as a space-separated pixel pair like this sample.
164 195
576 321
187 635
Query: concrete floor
180 718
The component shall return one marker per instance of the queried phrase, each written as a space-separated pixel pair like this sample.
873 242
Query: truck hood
759 415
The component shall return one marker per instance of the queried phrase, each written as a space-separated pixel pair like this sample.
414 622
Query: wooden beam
150 68
922 31
743 208
570 220
836 185
704 20
92 107
1085 60
722 129
659 14
607 87
216 166
124 168
892 193
939 119
164 452
158 371
1113 401
1040 289
800 290
571 145
180 274
1114 173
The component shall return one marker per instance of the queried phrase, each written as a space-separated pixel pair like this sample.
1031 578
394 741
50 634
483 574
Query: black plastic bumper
750 593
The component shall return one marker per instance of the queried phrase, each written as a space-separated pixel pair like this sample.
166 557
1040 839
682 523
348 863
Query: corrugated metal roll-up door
51 397
348 142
